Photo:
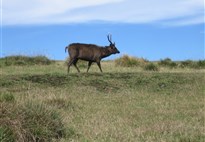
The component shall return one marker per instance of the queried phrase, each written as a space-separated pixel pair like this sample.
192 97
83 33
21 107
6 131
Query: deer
89 52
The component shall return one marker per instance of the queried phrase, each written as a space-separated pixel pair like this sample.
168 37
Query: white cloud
176 12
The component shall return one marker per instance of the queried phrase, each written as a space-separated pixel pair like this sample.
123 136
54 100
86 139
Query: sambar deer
90 52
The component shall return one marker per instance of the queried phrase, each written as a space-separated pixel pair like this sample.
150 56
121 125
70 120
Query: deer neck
105 52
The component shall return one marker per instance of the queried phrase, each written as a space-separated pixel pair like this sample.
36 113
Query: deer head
113 49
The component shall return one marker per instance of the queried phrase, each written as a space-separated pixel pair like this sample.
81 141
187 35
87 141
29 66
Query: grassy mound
24 60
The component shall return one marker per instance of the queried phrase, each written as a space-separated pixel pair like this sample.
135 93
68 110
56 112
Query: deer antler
109 37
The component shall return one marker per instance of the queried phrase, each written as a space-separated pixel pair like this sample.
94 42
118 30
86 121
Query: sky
150 29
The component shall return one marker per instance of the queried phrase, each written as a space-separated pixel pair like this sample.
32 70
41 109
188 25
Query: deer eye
112 47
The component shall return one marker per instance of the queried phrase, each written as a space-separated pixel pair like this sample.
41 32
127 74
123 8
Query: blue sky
151 29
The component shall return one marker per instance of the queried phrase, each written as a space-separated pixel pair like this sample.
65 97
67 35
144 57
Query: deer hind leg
69 64
89 64
74 63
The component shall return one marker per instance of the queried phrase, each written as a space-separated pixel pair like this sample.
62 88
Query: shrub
193 64
187 63
24 60
201 64
167 62
127 61
151 67
173 65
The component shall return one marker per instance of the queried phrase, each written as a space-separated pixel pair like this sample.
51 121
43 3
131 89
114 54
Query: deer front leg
99 65
74 63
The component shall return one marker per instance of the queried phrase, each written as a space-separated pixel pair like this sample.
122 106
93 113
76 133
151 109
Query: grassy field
123 104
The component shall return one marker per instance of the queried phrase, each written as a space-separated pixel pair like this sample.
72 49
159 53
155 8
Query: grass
151 67
29 121
20 60
127 61
121 104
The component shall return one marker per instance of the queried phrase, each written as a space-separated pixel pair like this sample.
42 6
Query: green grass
20 60
151 67
122 104
29 121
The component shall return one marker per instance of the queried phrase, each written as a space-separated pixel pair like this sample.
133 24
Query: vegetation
44 103
167 62
151 67
127 61
201 64
193 64
29 121
24 60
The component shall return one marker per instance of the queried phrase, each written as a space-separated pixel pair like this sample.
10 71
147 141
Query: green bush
151 67
193 64
24 60
127 61
167 62
187 64
201 64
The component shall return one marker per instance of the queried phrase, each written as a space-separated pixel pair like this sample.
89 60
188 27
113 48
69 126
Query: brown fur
89 52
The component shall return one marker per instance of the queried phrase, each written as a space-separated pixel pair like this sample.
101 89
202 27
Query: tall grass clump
151 67
19 60
29 122
167 62
127 61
